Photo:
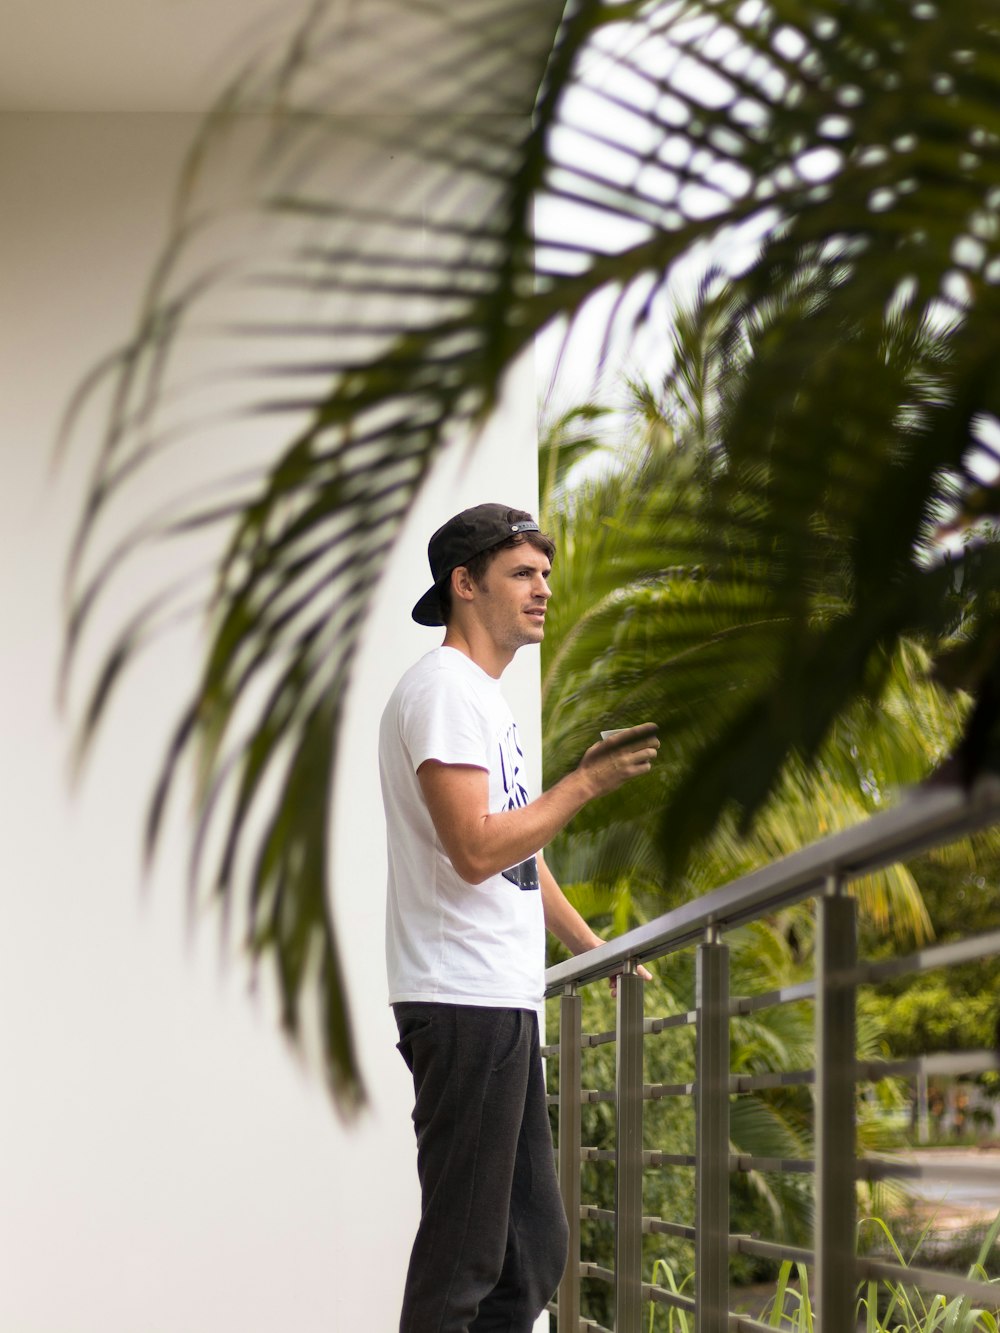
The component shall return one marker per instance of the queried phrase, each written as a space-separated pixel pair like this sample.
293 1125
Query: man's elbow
470 861
472 870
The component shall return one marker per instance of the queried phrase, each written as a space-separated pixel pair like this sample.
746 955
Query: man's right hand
626 754
481 843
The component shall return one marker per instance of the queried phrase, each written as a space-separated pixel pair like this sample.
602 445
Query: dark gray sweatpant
491 1245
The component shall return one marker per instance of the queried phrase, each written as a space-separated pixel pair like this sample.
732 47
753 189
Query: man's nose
542 588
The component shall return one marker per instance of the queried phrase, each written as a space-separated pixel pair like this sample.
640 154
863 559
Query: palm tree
841 162
614 569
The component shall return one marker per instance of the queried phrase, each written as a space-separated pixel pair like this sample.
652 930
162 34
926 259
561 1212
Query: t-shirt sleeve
445 720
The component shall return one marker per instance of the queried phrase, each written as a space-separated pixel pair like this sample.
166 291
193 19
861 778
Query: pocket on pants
412 1022
510 1035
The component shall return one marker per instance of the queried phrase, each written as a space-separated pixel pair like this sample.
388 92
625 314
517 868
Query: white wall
165 1167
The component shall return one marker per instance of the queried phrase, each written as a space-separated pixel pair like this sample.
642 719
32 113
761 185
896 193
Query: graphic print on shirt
525 875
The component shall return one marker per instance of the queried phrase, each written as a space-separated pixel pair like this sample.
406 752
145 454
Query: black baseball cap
457 541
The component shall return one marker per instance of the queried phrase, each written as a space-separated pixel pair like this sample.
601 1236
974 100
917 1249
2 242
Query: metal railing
824 871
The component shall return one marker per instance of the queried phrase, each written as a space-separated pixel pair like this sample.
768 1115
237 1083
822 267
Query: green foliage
956 1009
676 1319
884 1306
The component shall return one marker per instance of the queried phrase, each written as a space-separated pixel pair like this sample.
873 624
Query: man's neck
479 648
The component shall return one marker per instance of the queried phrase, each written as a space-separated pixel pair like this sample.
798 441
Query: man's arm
561 917
568 926
480 844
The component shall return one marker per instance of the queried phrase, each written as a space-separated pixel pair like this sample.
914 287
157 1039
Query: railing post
570 1024
836 1200
712 1137
628 1155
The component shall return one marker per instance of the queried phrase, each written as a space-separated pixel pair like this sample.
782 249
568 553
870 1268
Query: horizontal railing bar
656 1226
929 1279
747 1004
596 1271
954 1173
664 1296
868 1168
945 1063
737 1161
938 1062
654 1092
769 1249
591 1039
651 1092
650 1026
926 817
789 1078
654 1158
742 1323
790 1165
967 950
651 1226
654 1025
865 1168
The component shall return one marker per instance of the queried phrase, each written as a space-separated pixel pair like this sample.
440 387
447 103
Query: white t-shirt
449 941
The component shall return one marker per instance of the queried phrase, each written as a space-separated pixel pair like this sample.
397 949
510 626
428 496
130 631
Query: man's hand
568 926
640 972
627 754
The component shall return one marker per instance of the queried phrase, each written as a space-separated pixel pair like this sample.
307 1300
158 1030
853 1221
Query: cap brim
428 610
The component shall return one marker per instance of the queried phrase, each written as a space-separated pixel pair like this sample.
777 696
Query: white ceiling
127 55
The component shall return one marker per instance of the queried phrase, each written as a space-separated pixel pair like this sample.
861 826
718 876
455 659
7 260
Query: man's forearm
512 836
481 844
568 926
562 918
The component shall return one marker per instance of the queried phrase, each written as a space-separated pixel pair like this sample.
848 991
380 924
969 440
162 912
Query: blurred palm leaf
839 160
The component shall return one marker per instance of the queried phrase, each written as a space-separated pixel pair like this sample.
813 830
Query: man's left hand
640 971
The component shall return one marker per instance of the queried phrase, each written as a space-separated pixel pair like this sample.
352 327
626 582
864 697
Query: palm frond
367 379
839 165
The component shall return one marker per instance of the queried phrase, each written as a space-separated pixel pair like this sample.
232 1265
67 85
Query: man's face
513 595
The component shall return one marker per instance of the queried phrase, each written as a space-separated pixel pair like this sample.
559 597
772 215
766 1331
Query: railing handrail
927 816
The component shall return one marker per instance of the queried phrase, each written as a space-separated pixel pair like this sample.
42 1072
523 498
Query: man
469 898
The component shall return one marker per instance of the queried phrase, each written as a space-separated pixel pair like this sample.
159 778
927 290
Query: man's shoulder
444 667
425 670
444 683
430 675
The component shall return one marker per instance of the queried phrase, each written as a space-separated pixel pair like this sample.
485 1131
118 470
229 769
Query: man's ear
461 584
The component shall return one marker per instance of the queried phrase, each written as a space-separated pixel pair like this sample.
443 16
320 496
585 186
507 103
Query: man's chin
529 636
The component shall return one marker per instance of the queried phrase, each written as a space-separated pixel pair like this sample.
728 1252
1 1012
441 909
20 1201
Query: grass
882 1306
